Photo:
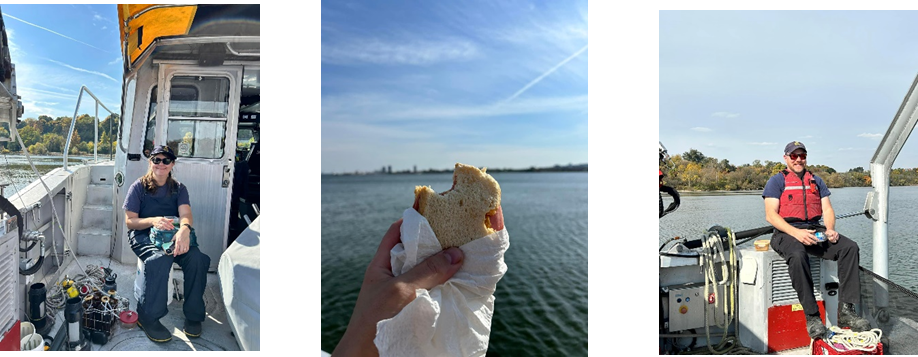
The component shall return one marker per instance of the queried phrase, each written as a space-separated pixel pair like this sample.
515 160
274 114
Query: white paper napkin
452 319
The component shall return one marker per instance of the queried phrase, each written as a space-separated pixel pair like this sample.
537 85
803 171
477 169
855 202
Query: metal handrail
878 200
95 146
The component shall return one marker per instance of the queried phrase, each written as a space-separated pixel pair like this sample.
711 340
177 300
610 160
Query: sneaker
847 317
155 331
815 327
192 328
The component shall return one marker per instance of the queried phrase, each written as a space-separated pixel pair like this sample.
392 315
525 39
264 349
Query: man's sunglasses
168 161
792 156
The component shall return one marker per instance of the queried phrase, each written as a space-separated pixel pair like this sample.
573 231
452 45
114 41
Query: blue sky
59 48
434 83
740 85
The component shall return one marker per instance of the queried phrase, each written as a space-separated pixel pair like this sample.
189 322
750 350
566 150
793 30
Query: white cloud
725 115
764 143
84 70
702 129
51 31
870 136
539 78
399 51
375 107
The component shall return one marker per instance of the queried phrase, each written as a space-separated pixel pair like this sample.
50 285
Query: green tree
63 126
54 142
694 156
75 140
38 149
29 135
85 125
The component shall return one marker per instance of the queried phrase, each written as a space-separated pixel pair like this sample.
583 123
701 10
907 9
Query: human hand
383 295
497 219
163 224
805 236
832 235
182 240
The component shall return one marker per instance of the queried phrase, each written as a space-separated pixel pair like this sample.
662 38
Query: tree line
693 171
47 136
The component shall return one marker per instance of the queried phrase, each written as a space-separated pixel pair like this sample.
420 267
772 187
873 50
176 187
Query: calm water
15 169
740 212
541 302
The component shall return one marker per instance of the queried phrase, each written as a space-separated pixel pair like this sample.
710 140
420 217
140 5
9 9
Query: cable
713 247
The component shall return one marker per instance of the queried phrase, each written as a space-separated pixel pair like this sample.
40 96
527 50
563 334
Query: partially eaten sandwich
460 215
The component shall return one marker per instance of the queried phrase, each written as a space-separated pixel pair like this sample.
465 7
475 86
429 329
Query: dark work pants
845 251
156 279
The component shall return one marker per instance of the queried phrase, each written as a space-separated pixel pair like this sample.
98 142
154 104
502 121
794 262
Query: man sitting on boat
795 200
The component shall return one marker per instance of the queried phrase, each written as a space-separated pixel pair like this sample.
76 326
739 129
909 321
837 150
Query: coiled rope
713 248
93 277
847 340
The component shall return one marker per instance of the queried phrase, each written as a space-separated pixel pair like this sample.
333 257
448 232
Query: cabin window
124 134
151 125
247 132
197 116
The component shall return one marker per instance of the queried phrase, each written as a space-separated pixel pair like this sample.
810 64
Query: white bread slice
459 216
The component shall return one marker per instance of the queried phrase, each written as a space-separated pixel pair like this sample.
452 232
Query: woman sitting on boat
148 203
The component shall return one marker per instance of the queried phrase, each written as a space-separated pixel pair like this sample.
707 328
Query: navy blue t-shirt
136 194
775 187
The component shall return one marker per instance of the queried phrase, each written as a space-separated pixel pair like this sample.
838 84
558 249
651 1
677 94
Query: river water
17 172
540 306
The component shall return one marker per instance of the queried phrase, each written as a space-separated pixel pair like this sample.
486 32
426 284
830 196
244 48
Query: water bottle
820 236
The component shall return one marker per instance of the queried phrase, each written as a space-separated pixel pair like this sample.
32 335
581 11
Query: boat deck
217 334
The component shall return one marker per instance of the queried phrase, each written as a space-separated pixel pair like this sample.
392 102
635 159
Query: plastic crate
100 312
821 347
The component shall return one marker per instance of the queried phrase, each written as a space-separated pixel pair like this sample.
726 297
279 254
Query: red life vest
800 200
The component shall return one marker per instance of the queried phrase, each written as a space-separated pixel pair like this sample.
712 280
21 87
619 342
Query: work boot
815 327
847 317
192 328
155 330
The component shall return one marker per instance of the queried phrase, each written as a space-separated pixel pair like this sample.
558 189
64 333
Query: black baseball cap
793 145
163 149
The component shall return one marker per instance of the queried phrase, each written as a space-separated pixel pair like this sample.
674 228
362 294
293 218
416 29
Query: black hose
41 260
23 250
11 209
34 268
751 233
672 206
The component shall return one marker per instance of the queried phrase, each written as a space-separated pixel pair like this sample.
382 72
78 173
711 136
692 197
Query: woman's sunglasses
792 156
165 161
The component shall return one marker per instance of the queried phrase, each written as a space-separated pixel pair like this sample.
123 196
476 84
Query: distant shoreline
717 192
556 168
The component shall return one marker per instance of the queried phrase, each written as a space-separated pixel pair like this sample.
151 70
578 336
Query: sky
57 49
740 85
501 85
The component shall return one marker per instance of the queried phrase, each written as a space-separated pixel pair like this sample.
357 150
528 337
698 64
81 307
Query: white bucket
33 342
26 329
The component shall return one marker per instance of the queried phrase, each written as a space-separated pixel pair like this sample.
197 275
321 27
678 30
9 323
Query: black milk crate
100 312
